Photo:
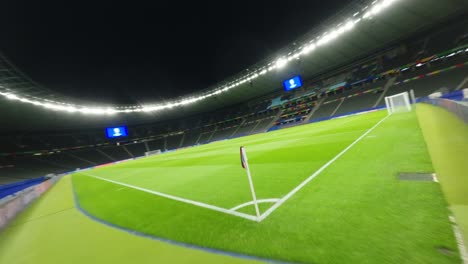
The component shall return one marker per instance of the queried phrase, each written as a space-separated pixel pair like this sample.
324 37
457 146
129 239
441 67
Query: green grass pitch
355 211
53 231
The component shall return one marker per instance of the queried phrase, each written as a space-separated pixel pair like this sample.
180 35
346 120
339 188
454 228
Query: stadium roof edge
407 17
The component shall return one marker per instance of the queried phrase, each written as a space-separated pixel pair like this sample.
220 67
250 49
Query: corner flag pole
245 165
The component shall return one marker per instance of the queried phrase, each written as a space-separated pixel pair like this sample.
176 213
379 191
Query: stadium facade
352 73
348 65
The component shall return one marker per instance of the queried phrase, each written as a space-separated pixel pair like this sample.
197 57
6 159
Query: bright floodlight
377 7
308 48
280 63
349 25
11 96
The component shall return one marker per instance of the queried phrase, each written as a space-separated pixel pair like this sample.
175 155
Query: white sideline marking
172 197
272 200
460 241
311 177
232 211
434 177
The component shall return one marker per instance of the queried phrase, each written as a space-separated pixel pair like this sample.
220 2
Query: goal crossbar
398 103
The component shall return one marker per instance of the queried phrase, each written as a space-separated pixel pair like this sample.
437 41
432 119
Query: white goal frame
152 152
403 106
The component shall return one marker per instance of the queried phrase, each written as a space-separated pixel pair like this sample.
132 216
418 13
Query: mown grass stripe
180 199
311 177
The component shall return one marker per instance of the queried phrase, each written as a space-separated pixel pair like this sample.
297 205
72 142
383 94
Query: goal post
398 103
153 152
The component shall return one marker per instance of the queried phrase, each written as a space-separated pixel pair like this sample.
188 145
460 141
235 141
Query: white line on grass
460 241
311 177
272 200
172 197
434 177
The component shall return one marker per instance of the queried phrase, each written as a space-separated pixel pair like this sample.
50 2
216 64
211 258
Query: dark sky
109 51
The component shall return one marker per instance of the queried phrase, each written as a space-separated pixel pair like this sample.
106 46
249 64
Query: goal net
153 152
398 103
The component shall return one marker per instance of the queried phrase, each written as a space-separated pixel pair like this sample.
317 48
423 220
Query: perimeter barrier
14 203
456 102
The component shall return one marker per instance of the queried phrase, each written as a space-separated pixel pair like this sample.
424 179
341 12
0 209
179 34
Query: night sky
121 52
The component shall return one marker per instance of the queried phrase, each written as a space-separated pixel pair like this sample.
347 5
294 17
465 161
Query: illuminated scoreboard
116 132
293 83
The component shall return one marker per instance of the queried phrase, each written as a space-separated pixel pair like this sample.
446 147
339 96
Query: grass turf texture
356 211
447 138
53 231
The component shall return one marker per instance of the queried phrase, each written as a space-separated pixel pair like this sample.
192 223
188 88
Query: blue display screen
293 83
116 132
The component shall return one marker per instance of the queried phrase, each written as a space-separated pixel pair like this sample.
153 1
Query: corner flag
245 165
243 157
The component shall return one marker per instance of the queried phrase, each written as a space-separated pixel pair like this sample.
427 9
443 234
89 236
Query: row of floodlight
366 13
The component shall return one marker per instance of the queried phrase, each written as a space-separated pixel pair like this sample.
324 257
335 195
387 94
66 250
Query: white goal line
311 177
232 211
180 199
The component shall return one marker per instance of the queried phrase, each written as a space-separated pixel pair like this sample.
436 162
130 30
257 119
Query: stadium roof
350 35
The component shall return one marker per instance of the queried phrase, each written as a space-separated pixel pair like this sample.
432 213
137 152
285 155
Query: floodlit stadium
348 146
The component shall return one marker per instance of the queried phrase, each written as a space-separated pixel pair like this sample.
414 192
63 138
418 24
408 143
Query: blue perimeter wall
9 189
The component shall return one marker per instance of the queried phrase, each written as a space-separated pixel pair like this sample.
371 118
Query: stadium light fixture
349 25
367 15
12 97
308 48
451 54
368 12
281 63
376 9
